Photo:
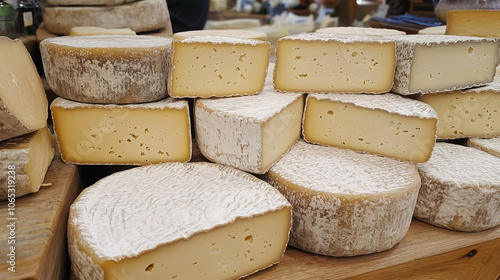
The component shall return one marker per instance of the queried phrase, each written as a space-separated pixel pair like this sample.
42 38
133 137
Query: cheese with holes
24 160
345 203
94 30
23 103
86 2
321 62
460 189
233 33
140 16
248 132
489 145
221 66
132 134
436 63
481 23
467 113
353 30
386 124
177 221
107 68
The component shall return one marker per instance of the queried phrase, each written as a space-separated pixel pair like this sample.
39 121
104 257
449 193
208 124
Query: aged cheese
221 66
107 68
95 30
233 33
122 134
460 189
23 103
248 132
467 113
434 63
481 23
140 16
352 30
433 30
85 2
320 62
345 203
24 160
177 221
386 124
489 145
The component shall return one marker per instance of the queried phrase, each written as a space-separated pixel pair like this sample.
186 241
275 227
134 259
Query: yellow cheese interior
318 66
480 23
226 252
41 153
345 125
95 30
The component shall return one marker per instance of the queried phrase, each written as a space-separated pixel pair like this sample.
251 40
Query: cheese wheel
490 145
473 22
23 103
140 16
234 33
345 203
460 189
107 68
177 220
94 30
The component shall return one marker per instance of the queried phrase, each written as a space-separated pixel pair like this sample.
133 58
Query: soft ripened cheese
177 221
24 160
140 16
23 103
473 112
345 203
130 134
460 189
248 132
321 62
95 30
436 63
107 68
353 30
386 124
489 145
85 2
233 33
481 23
221 66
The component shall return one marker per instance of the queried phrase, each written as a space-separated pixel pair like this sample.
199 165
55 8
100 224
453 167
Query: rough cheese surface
489 145
345 203
248 132
232 33
460 189
129 215
95 30
352 30
140 16
107 68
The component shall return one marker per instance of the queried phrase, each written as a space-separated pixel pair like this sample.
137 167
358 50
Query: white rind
341 38
352 30
490 145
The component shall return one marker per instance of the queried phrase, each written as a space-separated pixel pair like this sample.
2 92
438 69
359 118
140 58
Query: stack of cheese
26 144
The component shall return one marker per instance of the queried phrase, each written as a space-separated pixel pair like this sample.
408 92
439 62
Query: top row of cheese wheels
137 69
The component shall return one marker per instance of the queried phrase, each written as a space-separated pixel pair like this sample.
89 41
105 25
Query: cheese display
221 66
352 30
132 134
107 68
140 16
321 62
86 2
23 104
177 220
473 112
428 63
386 124
24 160
233 33
248 132
481 23
460 189
95 30
489 145
345 203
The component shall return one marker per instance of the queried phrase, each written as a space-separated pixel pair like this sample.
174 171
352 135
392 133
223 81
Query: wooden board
40 228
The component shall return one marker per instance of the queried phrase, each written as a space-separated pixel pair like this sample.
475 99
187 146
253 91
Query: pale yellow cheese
433 30
23 103
208 66
233 33
177 221
24 160
489 145
387 124
95 30
353 30
321 62
133 134
481 23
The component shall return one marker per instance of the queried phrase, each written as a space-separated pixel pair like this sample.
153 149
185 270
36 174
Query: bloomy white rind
490 145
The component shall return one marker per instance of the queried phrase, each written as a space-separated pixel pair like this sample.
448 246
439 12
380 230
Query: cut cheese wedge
23 103
134 134
386 124
345 203
177 221
95 30
232 33
221 66
353 30
481 23
321 62
24 160
460 189
107 68
248 132
489 145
